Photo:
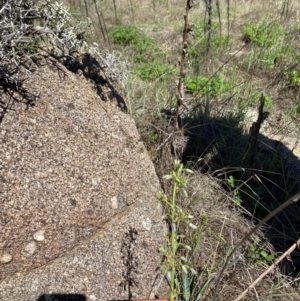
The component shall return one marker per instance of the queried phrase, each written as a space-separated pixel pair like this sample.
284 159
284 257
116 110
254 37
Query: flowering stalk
176 216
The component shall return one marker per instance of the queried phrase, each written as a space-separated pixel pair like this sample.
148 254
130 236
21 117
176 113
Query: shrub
28 26
272 55
125 35
207 86
145 51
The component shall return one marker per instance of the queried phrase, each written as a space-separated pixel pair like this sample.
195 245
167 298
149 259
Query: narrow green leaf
186 287
203 288
188 247
183 258
184 269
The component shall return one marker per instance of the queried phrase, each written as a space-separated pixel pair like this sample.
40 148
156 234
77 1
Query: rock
30 249
77 189
39 235
5 258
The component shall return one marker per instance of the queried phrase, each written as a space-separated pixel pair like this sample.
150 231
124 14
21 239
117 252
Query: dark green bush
209 87
125 35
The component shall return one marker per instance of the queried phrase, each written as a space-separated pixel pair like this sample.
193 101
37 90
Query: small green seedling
258 253
236 193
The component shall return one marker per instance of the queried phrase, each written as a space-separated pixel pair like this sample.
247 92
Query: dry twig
269 269
290 201
180 89
254 131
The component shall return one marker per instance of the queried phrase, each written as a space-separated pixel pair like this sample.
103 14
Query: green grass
198 45
209 87
154 71
147 57
254 99
292 79
264 33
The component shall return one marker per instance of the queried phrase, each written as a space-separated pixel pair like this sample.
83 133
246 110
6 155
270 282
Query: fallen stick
269 269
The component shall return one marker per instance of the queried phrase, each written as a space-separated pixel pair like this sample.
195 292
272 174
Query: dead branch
254 131
180 88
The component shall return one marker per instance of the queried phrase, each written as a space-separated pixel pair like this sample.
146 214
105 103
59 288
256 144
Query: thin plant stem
115 9
209 25
219 16
184 53
173 242
228 17
131 10
86 9
176 216
100 21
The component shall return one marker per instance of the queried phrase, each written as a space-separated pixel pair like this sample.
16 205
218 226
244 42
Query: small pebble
30 248
146 222
39 235
94 182
114 203
5 258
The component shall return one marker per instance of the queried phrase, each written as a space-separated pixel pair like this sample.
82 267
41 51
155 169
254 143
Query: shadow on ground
13 90
91 69
220 146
